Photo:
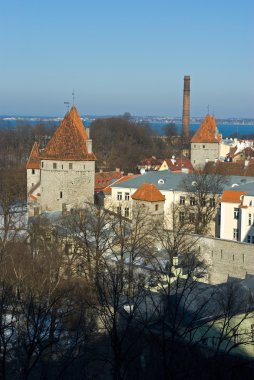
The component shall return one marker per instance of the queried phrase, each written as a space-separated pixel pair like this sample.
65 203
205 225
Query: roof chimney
186 108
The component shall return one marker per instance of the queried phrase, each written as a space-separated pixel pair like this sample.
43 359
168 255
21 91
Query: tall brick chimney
186 108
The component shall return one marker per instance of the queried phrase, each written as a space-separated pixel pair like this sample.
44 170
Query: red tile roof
34 158
231 168
104 179
207 131
179 163
69 140
108 189
232 196
149 193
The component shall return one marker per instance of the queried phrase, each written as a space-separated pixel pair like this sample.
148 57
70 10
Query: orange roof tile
149 193
34 158
122 179
69 140
232 196
104 179
207 131
179 163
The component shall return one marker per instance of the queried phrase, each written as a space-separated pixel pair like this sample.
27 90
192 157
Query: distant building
237 213
205 144
62 175
177 165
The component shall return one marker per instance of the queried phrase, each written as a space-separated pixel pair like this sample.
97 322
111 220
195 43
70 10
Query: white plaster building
170 185
237 213
62 175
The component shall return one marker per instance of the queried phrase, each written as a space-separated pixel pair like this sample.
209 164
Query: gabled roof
207 131
104 179
69 140
108 189
232 196
179 163
148 192
34 158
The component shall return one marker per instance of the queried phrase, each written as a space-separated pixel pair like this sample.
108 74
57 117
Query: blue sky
126 56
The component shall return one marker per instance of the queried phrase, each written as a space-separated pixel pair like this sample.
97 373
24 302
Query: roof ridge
69 140
33 161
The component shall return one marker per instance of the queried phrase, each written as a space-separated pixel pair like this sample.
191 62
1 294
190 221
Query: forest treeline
117 142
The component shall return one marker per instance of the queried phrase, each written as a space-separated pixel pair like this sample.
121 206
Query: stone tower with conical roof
66 169
205 144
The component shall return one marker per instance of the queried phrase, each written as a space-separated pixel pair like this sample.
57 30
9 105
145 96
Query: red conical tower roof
149 193
207 131
34 158
69 140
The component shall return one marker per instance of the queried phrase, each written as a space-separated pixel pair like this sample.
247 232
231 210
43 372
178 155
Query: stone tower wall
200 152
33 178
66 182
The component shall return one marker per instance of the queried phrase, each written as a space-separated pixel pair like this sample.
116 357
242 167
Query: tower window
54 165
33 171
61 194
42 163
156 207
70 165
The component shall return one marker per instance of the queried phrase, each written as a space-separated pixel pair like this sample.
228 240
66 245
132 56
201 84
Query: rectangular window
119 210
127 212
70 165
61 194
235 233
181 217
192 201
249 219
252 239
212 202
119 196
54 165
182 200
248 239
42 163
192 217
236 213
156 207
33 171
127 196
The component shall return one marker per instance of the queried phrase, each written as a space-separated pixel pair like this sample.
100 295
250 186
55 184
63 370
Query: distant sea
226 130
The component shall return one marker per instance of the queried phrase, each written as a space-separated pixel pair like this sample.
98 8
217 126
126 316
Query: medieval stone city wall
226 258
